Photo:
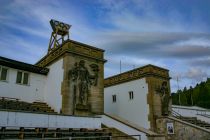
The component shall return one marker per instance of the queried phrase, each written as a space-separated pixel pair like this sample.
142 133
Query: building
141 98
65 94
137 93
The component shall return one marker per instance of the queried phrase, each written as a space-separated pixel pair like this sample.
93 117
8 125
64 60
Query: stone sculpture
165 98
82 80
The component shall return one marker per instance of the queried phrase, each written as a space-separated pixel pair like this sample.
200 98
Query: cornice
72 47
138 73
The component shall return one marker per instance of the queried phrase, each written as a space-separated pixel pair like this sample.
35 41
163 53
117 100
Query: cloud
136 32
203 62
150 16
196 73
155 44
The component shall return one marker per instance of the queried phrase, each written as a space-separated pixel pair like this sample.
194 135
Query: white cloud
136 38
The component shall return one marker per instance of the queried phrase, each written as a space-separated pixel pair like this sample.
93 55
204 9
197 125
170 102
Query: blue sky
174 34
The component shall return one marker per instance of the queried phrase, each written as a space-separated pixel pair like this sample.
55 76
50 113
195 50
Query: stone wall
154 99
83 77
182 130
82 73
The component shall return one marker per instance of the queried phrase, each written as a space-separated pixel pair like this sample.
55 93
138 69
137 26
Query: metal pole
120 66
178 90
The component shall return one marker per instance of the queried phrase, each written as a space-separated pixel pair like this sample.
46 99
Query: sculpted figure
82 80
164 98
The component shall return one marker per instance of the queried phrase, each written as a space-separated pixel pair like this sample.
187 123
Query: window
131 95
114 98
3 73
22 78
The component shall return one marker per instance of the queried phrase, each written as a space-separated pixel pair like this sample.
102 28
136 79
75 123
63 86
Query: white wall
136 110
29 93
122 127
52 93
32 120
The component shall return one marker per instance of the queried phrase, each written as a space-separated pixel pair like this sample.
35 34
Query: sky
173 34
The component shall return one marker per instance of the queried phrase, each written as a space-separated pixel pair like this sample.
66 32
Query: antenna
178 90
60 31
120 66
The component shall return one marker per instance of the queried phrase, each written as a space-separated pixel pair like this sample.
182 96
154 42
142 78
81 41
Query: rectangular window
3 73
114 98
131 95
22 78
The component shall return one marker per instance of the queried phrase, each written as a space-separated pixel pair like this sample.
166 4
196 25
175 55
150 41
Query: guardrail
9 98
85 138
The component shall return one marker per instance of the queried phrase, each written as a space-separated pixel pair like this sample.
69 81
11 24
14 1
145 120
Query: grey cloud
201 62
189 52
153 45
197 74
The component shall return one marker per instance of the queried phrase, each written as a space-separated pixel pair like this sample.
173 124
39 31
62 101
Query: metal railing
62 135
176 114
137 137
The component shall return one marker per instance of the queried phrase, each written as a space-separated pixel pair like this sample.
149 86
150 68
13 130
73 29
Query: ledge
19 111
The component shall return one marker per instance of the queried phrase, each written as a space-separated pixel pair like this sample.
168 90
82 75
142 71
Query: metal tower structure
59 34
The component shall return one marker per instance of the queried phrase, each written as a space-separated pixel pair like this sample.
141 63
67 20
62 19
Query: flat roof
75 43
23 66
136 73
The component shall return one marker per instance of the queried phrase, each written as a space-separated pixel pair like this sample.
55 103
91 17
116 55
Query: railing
176 114
65 135
204 115
95 137
8 98
85 138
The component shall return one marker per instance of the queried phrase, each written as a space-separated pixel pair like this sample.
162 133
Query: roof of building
22 66
74 47
147 70
89 46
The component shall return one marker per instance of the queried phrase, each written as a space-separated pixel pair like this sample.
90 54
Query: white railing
35 120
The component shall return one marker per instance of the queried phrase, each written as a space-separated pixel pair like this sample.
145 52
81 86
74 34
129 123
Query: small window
22 78
131 95
3 73
114 98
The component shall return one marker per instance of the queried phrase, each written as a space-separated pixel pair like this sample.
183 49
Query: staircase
41 107
192 120
17 105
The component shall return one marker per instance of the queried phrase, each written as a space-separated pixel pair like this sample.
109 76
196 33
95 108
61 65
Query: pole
178 90
120 66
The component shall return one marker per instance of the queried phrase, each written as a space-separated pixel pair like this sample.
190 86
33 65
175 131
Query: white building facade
130 101
135 95
22 81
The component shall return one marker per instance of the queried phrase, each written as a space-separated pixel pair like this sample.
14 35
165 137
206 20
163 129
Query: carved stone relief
163 91
82 80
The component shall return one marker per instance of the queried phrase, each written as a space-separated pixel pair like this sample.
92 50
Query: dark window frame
131 95
3 76
114 98
22 78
